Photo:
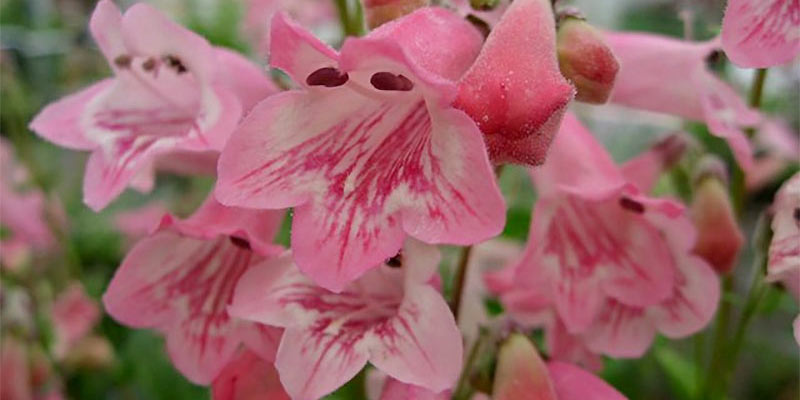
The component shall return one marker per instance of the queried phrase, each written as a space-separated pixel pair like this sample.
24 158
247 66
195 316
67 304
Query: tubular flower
670 76
611 263
370 149
784 251
515 91
391 316
761 33
171 91
180 279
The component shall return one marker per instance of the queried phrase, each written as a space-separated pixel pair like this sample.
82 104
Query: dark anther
175 63
239 242
149 65
328 77
123 61
714 58
479 24
796 216
631 205
396 261
390 81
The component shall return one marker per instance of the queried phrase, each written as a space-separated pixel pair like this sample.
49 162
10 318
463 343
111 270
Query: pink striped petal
248 377
521 373
60 122
694 301
573 383
620 331
761 33
296 51
396 390
784 250
515 91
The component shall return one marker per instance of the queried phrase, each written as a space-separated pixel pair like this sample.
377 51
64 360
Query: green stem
719 342
459 280
463 389
757 88
352 19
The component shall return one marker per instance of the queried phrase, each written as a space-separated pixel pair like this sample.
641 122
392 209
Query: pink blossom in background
390 317
611 263
139 222
761 33
784 251
171 91
319 16
370 150
776 147
514 91
15 381
180 279
248 377
667 75
522 374
74 314
22 212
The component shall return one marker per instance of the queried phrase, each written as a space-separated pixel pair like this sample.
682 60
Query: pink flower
514 91
611 263
74 315
140 222
670 76
171 91
396 390
391 316
776 145
15 381
784 251
180 279
521 374
248 377
370 150
22 212
761 33
316 15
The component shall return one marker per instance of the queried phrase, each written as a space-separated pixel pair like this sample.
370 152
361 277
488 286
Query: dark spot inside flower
149 65
175 63
479 24
239 242
631 205
328 77
715 59
390 81
796 216
123 61
396 261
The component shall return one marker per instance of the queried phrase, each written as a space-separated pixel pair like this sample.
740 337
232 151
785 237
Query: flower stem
719 342
352 19
459 280
757 88
463 389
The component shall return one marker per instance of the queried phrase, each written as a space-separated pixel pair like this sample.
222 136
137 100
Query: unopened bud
521 372
585 59
718 235
91 352
379 12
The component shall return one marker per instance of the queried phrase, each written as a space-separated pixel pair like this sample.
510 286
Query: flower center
390 81
328 77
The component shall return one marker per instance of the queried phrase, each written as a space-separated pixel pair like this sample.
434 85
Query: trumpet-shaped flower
761 33
370 149
784 251
610 262
171 91
391 316
180 280
670 76
515 91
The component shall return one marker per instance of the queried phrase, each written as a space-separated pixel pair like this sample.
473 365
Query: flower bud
91 352
585 59
521 372
718 235
379 12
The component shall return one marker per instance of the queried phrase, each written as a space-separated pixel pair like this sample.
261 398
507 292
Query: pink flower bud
379 12
586 60
719 238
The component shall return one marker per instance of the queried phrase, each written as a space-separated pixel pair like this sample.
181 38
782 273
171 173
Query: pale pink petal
189 163
564 346
644 170
248 377
247 81
694 301
182 286
106 28
620 331
521 373
515 91
784 250
60 122
726 114
573 383
421 345
74 315
397 390
105 179
296 51
139 222
761 33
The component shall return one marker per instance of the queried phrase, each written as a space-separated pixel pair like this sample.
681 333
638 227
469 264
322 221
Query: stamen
396 261
390 81
123 61
149 65
328 77
631 205
239 242
175 63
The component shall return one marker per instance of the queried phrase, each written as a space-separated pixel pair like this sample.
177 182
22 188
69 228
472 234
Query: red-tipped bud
379 12
586 60
718 235
521 373
514 91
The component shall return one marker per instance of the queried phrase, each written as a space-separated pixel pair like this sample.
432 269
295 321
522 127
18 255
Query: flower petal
760 34
243 78
620 331
60 122
105 25
573 383
104 179
694 301
296 51
521 373
396 390
248 377
421 345
726 114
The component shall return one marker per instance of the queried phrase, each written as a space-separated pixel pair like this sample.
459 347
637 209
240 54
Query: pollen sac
175 63
586 60
239 242
328 77
391 82
631 205
149 64
396 261
123 61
